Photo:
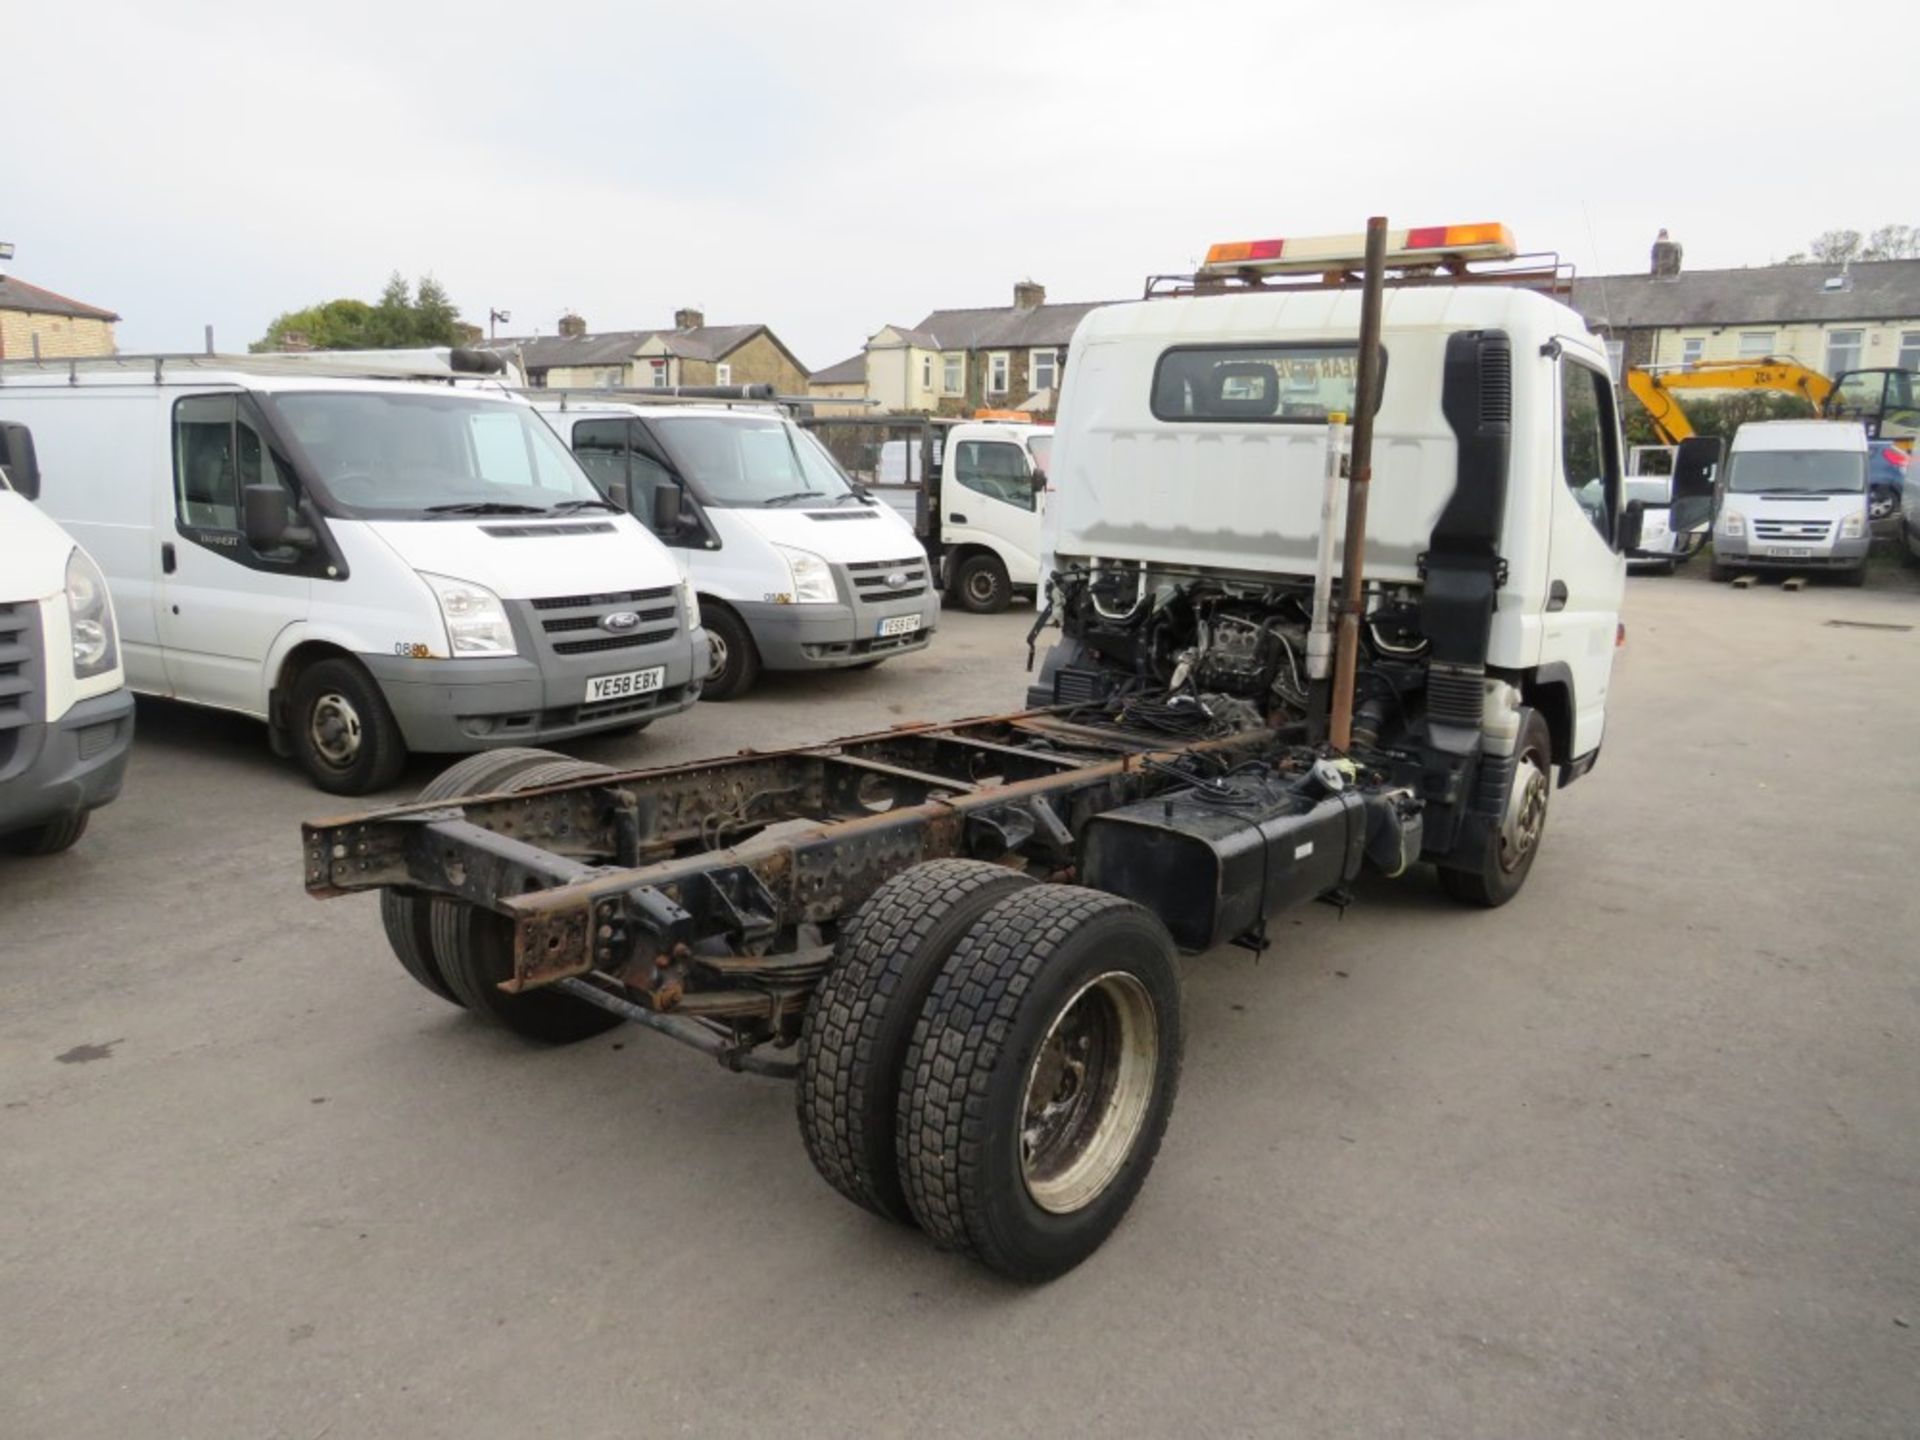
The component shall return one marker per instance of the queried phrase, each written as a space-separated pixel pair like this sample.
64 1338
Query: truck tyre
861 1020
474 949
49 837
981 584
1040 1078
1509 854
408 919
343 733
736 660
1856 577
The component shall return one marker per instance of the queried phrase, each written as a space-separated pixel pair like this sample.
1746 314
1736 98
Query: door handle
1557 596
954 517
166 557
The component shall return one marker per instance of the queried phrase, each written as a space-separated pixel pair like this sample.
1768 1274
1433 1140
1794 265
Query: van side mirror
669 515
1695 463
619 494
17 455
266 519
1633 524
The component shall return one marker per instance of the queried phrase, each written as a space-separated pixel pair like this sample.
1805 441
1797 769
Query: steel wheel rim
980 586
716 657
1879 509
333 727
1526 813
1088 1091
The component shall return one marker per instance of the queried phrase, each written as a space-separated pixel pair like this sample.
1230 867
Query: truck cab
66 716
796 567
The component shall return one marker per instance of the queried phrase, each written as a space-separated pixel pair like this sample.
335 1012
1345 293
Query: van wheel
981 584
49 837
1040 1079
1509 855
862 1016
1719 573
343 733
408 919
736 661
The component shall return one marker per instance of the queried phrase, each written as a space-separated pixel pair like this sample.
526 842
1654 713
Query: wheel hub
1526 813
1087 1092
334 728
980 586
716 657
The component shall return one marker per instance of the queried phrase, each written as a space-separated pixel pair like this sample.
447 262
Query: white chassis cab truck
959 937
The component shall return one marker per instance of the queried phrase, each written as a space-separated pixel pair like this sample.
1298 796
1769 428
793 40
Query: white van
371 566
66 717
1795 498
796 567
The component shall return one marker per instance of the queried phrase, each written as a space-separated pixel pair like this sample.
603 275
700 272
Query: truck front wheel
981 584
1508 855
49 837
1040 1079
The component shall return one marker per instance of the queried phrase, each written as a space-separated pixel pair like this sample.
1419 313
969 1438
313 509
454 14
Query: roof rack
759 396
444 363
1544 271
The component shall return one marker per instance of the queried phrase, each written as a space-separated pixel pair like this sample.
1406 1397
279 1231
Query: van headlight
812 577
1854 526
1732 524
477 626
692 599
89 618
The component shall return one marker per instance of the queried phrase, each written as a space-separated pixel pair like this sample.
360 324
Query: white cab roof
1800 435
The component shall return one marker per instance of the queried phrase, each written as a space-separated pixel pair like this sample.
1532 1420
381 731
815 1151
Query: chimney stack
1029 295
572 326
688 319
1666 258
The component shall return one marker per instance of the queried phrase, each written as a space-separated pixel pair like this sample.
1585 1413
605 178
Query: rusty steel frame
709 890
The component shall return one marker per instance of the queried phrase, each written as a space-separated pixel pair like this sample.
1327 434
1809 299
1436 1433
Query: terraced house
691 353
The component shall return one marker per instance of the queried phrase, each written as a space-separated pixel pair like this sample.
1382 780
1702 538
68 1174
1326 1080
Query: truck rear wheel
981 584
1040 1079
474 949
49 837
1508 856
861 1021
408 919
343 731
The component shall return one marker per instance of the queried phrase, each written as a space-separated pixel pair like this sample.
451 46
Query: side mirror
1633 521
16 454
266 519
1695 463
619 494
669 515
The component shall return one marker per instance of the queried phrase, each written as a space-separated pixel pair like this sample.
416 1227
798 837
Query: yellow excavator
1886 400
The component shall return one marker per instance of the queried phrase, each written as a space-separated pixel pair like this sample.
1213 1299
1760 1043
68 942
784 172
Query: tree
1837 247
1892 242
1719 415
402 318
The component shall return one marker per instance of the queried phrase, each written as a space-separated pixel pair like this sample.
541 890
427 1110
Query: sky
828 169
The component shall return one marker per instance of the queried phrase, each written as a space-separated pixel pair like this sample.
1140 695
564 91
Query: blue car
1886 478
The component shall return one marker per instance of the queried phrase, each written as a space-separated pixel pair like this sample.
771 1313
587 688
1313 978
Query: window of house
995 468
997 373
1756 344
1263 384
1843 350
1044 367
1589 453
659 378
1909 358
926 372
953 378
723 374
1691 349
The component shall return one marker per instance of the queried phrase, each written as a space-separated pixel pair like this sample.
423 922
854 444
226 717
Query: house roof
851 371
1761 294
919 339
16 294
615 347
1003 327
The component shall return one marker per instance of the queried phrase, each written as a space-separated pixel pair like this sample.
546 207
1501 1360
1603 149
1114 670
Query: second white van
1795 498
371 566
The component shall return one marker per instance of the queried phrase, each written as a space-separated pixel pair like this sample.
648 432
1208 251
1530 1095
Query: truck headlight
477 626
692 599
1854 526
89 618
812 577
1732 524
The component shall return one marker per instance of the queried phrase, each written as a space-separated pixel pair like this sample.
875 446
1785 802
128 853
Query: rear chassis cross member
706 893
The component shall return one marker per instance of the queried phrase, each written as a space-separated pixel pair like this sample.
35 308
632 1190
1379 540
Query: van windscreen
1800 472
1258 384
400 455
751 460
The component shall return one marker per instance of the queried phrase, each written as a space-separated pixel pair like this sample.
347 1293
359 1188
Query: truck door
1587 573
991 501
222 604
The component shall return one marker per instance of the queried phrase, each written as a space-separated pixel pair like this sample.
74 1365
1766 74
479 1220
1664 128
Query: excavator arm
1653 388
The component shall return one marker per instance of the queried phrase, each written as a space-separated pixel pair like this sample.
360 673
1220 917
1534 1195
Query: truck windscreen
1806 472
397 455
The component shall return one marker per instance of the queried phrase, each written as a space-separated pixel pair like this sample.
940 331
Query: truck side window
995 468
1588 462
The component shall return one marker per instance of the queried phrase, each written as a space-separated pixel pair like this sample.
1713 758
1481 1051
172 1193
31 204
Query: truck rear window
1259 384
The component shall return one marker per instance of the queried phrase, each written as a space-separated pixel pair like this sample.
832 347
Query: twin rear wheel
993 1060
